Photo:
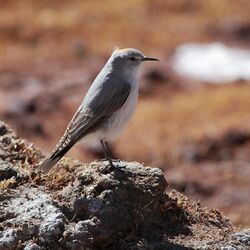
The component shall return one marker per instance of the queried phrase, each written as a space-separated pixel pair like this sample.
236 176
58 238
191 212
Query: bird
106 108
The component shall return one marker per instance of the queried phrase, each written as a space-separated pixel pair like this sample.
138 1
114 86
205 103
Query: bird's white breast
118 121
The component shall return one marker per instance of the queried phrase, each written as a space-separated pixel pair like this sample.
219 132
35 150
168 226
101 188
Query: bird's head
129 59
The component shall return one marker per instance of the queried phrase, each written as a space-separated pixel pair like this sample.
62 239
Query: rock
88 206
6 170
228 248
8 239
52 229
83 234
32 246
243 236
3 129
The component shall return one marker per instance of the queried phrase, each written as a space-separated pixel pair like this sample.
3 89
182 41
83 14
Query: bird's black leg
107 153
104 149
110 155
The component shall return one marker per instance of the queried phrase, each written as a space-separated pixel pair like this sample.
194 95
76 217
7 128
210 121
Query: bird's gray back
106 85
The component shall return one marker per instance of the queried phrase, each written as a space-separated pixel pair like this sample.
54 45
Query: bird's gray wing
106 100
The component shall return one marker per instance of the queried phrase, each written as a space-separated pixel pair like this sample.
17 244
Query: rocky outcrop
88 206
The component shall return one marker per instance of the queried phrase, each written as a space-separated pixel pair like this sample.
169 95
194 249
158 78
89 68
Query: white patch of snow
215 62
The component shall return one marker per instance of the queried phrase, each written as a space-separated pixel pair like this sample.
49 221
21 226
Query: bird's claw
114 164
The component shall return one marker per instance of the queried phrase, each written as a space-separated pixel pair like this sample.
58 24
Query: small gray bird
107 106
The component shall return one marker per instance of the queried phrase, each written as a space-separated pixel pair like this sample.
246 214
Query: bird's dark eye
132 58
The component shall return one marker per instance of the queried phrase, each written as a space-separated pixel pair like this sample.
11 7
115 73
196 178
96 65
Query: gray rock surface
243 236
87 206
32 246
8 239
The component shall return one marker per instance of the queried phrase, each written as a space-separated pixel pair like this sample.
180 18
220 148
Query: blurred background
193 116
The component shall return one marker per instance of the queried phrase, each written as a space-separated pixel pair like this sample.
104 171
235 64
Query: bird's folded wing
87 118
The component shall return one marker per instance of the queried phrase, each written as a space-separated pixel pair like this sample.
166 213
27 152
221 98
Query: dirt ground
198 134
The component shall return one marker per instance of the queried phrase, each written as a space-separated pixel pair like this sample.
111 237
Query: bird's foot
113 164
120 164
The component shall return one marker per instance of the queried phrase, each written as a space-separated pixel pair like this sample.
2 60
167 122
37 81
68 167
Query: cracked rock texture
87 206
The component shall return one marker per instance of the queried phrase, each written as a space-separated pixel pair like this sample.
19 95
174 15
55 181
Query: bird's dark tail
56 156
48 164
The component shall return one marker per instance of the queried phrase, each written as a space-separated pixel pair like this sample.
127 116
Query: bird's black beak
149 59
